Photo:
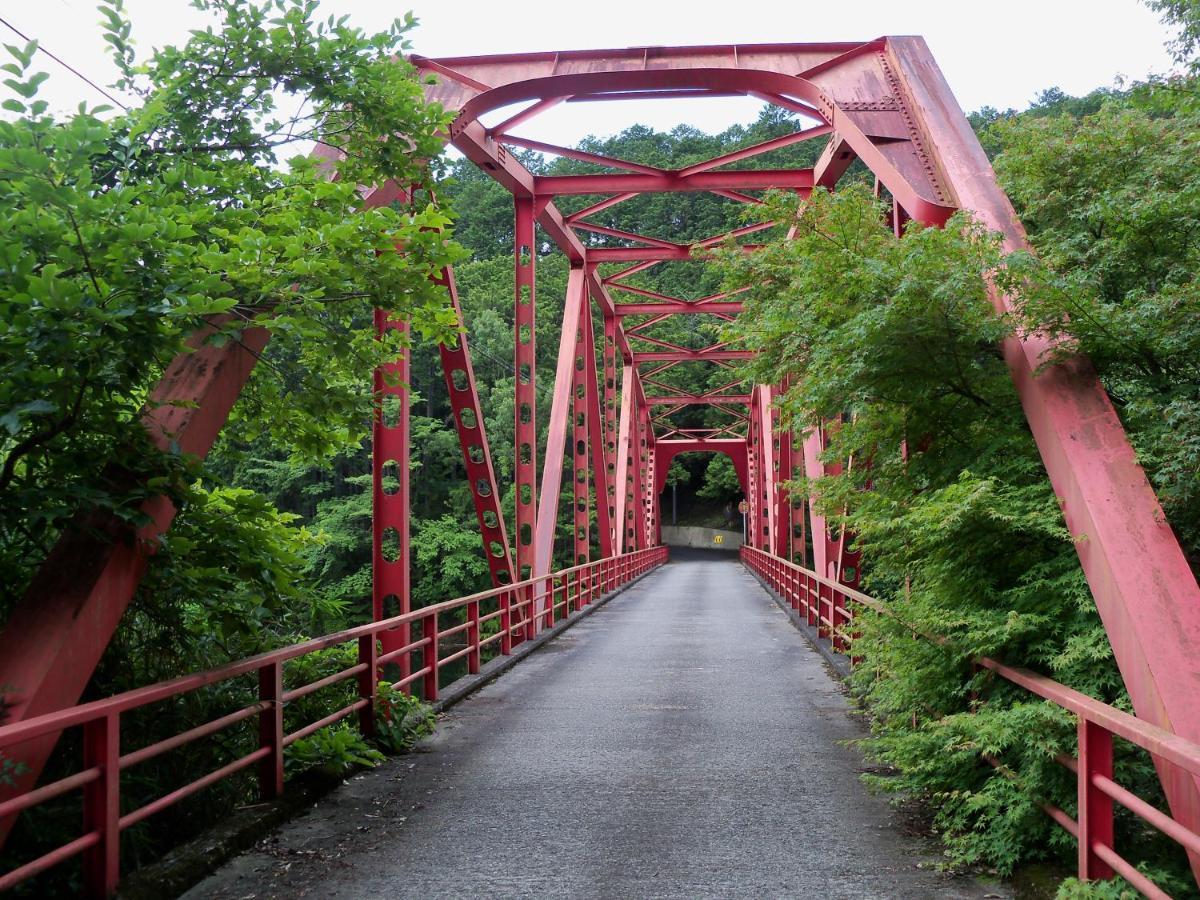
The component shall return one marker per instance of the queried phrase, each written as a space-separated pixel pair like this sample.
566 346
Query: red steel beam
667 450
390 574
560 411
626 235
605 183
476 452
738 196
535 109
692 356
739 399
608 500
578 449
525 386
765 147
582 156
58 631
596 435
1144 588
656 254
599 207
678 308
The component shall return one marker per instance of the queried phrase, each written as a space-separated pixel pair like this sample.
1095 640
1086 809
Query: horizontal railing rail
829 607
522 608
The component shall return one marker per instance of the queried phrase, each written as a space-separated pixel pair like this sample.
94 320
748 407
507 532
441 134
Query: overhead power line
70 68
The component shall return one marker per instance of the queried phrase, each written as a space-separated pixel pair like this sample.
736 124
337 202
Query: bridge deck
681 742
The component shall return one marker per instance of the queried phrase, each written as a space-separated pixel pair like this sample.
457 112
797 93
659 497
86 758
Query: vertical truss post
641 491
754 464
603 472
766 468
784 506
654 523
525 405
610 436
625 451
1095 816
472 439
560 411
390 485
580 424
814 445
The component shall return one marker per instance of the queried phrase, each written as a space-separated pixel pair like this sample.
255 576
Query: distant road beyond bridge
684 741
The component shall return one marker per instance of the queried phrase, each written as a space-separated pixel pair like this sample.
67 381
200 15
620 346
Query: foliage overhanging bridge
615 424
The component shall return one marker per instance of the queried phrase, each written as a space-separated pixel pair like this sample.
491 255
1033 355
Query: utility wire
64 64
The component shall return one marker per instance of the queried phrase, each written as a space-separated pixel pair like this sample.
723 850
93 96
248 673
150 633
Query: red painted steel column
813 447
610 438
603 472
390 491
102 806
525 406
783 501
1095 807
473 441
638 477
580 424
754 465
625 449
766 468
574 306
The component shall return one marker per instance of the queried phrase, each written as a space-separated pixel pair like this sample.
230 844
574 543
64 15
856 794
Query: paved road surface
682 742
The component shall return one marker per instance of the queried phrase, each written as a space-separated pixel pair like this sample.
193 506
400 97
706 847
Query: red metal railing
829 606
521 609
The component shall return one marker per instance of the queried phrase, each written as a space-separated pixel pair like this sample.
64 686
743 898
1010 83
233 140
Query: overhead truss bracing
616 421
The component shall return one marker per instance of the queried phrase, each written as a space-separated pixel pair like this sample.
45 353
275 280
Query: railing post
530 592
102 805
474 657
270 730
506 622
429 629
1095 807
368 655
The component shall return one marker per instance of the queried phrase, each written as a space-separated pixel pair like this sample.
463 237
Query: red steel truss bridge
613 429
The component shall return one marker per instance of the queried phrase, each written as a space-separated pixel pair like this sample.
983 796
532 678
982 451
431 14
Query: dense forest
123 232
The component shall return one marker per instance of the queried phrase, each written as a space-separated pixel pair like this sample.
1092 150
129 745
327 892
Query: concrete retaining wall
709 538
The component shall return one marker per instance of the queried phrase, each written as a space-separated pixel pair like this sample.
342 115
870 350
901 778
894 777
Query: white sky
993 53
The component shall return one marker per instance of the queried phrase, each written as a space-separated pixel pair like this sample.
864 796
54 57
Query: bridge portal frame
884 102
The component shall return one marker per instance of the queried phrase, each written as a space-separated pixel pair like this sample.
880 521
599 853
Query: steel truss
882 102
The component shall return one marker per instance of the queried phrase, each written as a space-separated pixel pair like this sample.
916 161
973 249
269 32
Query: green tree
123 234
961 532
